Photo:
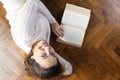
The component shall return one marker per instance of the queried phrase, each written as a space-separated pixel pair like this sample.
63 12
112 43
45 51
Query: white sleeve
67 66
44 11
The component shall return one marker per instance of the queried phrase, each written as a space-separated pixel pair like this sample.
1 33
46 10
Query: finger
56 33
61 28
52 49
59 31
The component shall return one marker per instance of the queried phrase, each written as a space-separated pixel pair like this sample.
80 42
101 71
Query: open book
74 23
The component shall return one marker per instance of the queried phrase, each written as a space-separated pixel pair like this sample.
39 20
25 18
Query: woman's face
44 54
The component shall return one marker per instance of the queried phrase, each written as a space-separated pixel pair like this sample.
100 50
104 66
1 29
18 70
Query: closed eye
53 54
44 56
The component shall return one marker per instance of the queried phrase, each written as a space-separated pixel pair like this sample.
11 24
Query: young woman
30 24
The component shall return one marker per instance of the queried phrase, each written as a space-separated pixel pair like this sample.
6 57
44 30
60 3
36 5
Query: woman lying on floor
30 24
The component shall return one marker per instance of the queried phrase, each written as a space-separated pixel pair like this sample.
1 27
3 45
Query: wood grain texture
97 59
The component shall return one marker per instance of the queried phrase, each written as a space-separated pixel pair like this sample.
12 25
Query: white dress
30 23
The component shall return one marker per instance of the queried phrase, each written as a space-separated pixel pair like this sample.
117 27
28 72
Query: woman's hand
56 28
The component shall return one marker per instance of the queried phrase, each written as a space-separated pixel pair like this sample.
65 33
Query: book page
75 19
72 35
78 9
76 16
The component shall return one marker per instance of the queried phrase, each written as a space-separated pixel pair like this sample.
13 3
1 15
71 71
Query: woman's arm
66 65
54 24
44 11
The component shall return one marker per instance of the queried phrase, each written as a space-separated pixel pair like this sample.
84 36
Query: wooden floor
97 59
